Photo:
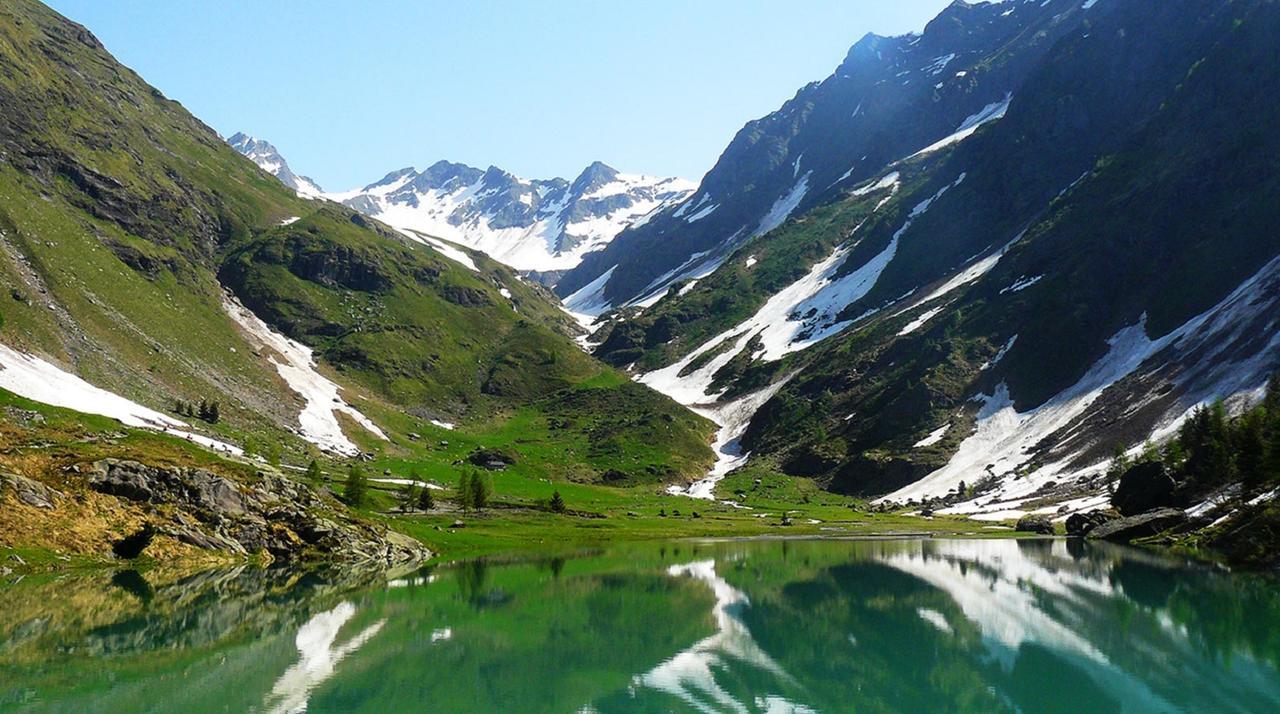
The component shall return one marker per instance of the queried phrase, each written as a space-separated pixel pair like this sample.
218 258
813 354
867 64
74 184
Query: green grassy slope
119 212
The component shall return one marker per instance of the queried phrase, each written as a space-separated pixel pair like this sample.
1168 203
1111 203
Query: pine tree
481 489
313 471
1251 446
408 495
426 500
204 410
464 493
1271 401
214 413
357 487
557 503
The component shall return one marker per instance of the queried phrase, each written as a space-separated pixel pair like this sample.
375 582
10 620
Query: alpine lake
918 625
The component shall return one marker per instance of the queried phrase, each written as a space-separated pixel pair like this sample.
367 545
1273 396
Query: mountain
268 158
891 97
980 318
149 266
541 227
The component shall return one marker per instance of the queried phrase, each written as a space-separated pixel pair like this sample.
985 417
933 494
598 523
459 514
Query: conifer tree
408 495
426 500
481 489
357 487
464 494
557 503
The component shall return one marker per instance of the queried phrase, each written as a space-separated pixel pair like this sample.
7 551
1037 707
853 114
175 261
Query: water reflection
926 625
318 658
690 675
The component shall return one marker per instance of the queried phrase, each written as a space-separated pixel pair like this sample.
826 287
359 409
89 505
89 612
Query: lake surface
757 626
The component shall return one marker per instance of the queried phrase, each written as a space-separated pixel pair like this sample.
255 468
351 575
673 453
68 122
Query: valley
945 290
952 385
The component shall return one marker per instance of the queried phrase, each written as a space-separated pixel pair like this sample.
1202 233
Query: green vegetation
128 217
1212 450
356 489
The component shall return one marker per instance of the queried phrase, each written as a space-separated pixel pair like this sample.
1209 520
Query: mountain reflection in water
744 626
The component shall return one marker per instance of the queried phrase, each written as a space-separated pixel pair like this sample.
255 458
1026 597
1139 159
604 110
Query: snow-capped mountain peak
536 225
542 226
268 158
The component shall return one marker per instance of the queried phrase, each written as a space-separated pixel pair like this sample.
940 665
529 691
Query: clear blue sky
350 90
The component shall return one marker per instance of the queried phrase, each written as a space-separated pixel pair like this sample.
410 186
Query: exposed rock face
1035 524
288 520
1145 525
32 493
1080 525
1143 487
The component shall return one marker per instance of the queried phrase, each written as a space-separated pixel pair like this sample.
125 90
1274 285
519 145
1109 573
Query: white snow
934 436
799 315
889 180
589 302
443 424
1005 438
33 378
459 213
733 419
782 208
290 220
703 213
919 321
999 355
989 113
1021 284
317 421
1266 497
939 64
751 261
449 251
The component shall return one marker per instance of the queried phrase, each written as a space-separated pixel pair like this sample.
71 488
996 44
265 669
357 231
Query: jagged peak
392 177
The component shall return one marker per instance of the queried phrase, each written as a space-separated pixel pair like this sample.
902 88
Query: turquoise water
757 626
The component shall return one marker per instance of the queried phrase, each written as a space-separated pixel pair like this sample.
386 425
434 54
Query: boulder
33 493
1035 523
1080 525
1143 525
1144 487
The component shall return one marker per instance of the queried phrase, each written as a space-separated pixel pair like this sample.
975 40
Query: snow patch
989 113
782 208
293 360
934 437
33 378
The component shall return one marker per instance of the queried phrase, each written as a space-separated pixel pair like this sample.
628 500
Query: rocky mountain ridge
542 227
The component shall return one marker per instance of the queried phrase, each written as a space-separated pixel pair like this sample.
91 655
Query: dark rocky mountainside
891 97
981 324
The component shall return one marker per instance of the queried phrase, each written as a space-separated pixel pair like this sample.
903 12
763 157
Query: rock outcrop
275 515
32 493
1144 487
1144 525
1035 524
1080 525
